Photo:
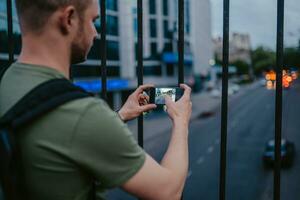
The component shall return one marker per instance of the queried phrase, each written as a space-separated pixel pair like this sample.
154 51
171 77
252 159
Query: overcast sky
258 18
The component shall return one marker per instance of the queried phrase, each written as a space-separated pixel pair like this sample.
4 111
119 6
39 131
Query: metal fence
224 114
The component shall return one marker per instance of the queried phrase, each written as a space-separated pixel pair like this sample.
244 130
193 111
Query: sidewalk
203 104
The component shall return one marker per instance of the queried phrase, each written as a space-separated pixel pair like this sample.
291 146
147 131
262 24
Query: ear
68 19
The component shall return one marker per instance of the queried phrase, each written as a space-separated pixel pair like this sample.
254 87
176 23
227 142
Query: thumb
168 100
148 107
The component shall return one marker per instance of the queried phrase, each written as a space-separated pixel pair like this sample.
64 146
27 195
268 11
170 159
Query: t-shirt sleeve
104 146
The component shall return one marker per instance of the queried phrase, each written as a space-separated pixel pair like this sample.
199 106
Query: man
65 150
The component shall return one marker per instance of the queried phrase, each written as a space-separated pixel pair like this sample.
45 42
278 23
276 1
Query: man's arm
166 180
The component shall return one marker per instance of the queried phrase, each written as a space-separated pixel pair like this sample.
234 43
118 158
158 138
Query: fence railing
224 113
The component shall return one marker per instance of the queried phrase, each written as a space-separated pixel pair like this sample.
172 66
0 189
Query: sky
259 19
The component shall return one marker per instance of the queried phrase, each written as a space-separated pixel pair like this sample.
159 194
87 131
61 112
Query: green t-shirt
68 147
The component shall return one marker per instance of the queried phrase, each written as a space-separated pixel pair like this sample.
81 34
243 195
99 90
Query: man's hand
181 110
136 104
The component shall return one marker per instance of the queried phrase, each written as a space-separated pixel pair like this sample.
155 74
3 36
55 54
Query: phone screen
161 93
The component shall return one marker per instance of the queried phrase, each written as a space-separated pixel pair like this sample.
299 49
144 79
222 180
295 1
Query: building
160 46
239 48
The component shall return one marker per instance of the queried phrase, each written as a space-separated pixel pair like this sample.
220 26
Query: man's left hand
136 104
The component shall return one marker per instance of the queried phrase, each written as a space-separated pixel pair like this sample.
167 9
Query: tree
292 57
242 67
263 59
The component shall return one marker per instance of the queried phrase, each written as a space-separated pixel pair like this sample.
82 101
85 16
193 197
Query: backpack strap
42 99
39 101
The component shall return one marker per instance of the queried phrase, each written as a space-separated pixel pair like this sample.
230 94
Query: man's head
71 20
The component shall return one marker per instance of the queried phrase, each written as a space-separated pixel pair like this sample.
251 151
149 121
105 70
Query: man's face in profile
86 34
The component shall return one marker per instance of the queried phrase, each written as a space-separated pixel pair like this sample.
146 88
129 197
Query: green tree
292 57
242 67
263 59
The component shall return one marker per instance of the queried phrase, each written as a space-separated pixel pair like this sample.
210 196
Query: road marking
210 149
189 174
200 160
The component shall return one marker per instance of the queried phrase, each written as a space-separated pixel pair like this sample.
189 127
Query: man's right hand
180 111
166 180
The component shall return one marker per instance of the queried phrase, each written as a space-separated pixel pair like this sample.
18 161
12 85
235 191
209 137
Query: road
250 125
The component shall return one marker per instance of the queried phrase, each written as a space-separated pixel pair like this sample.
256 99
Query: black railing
103 50
140 67
224 113
278 101
10 31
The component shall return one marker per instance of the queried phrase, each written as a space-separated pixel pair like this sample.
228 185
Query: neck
46 51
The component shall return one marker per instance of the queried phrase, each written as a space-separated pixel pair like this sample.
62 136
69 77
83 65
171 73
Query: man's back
66 149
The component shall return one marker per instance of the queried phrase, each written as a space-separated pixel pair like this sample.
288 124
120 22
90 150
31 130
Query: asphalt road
250 125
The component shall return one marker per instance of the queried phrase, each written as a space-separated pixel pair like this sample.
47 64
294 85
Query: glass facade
187 17
3 30
167 33
165 8
153 49
112 25
153 28
152 7
112 5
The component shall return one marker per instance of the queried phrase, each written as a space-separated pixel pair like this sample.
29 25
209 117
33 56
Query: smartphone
157 95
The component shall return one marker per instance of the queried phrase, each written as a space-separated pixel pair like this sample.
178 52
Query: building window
153 31
153 49
152 7
167 33
165 7
112 5
3 7
168 47
151 70
113 50
112 25
187 17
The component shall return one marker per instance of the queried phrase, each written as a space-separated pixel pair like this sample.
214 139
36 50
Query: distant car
287 153
215 93
235 88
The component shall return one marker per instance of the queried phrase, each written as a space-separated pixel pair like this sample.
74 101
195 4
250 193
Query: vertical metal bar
278 100
10 31
103 50
181 44
140 67
224 115
180 41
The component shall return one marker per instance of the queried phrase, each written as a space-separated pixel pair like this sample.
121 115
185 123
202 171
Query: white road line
200 160
210 149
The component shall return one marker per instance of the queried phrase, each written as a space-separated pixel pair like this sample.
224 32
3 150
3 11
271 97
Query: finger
148 107
168 101
187 91
143 99
141 88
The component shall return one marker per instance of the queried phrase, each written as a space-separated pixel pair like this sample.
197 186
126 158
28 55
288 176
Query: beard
79 47
78 53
